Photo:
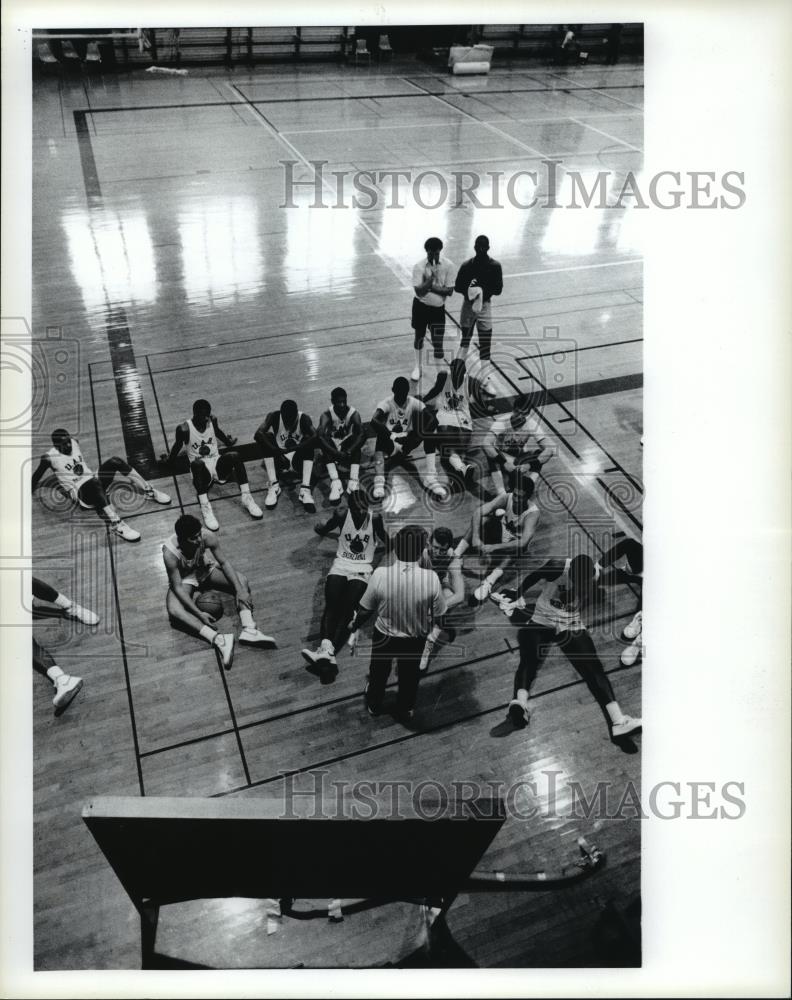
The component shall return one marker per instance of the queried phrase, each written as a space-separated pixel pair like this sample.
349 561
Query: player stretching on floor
288 441
346 582
511 443
451 397
501 530
568 588
200 436
194 561
341 437
401 423
75 479
448 565
632 552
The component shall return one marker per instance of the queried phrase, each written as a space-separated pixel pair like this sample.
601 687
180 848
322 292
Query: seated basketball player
199 437
349 574
341 437
569 588
65 459
510 443
448 565
501 530
632 552
195 562
401 422
289 442
451 397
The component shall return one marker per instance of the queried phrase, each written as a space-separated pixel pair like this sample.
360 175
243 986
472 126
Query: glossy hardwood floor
163 256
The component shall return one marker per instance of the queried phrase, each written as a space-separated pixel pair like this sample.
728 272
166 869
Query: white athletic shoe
435 487
125 532
271 499
208 517
306 499
252 637
378 493
251 506
224 649
633 630
626 726
482 592
336 491
323 656
157 496
631 653
423 666
352 486
66 688
416 374
81 614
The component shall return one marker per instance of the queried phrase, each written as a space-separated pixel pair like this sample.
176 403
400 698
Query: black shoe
373 712
518 715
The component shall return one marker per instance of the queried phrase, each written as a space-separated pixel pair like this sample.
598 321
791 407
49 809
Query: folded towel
476 297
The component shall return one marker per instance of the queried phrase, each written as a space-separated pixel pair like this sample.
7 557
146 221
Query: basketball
210 604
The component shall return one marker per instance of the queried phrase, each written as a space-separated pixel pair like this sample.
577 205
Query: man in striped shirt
407 600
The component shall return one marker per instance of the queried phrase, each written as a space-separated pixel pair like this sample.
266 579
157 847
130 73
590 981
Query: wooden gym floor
163 262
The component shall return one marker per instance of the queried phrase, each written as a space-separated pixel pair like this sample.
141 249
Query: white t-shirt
443 276
406 597
398 419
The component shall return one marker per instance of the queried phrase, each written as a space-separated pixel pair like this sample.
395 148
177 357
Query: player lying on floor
195 562
65 459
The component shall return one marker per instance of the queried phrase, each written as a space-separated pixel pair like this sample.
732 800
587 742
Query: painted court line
607 135
575 267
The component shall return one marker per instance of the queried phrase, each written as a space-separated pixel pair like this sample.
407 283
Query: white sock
522 697
306 472
332 471
431 463
456 463
208 633
497 479
433 635
111 514
615 713
54 673
354 472
63 602
327 645
269 465
244 488
203 499
379 480
494 576
246 618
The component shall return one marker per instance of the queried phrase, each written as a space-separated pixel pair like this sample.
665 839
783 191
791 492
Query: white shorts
342 567
468 317
211 465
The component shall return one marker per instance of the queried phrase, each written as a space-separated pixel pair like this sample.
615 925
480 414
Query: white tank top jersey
198 567
398 419
453 405
72 470
202 444
355 551
508 439
513 523
340 428
556 606
287 440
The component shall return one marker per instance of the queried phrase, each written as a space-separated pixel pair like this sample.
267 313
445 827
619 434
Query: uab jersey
202 444
453 405
71 470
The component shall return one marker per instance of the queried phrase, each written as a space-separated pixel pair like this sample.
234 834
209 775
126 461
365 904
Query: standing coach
478 280
407 600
